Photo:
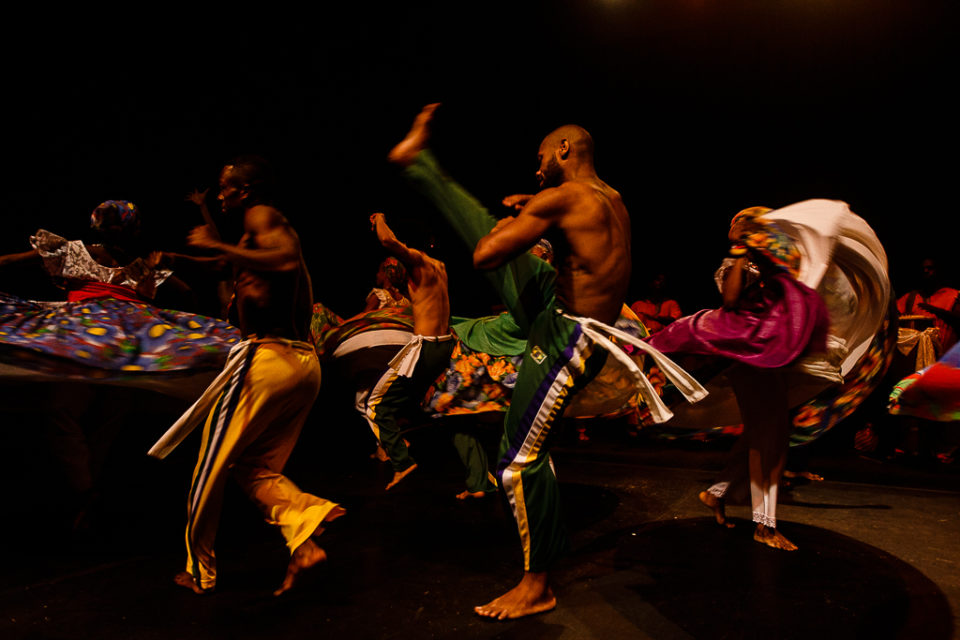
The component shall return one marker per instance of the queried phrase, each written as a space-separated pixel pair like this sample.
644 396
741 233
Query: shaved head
579 139
565 152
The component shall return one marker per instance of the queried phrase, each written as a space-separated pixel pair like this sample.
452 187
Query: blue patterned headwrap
116 215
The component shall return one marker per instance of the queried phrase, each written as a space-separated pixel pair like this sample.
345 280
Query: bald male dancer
255 409
589 227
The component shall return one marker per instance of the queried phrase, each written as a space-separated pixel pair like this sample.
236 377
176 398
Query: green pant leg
474 460
386 410
396 396
559 361
526 284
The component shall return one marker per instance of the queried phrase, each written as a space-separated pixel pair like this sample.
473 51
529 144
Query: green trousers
558 361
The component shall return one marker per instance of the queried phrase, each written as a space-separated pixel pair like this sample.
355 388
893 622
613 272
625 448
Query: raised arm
409 257
512 236
733 283
276 246
199 198
14 258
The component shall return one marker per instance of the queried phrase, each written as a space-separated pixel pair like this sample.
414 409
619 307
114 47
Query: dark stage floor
878 552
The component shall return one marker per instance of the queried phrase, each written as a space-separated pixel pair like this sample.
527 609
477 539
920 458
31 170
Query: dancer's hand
197 197
517 201
203 237
157 260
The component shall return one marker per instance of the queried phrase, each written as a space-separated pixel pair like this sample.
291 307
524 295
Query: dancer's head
392 273
244 182
657 286
543 250
562 154
929 276
116 221
743 220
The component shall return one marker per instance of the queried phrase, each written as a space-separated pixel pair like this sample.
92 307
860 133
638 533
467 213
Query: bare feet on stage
307 557
808 475
400 475
772 538
416 139
465 495
184 579
381 454
716 505
532 595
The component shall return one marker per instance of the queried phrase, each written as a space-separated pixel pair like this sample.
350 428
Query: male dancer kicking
589 226
256 408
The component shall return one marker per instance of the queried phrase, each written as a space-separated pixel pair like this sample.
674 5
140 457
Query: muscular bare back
427 282
428 294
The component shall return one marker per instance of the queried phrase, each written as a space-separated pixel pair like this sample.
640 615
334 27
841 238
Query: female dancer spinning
769 319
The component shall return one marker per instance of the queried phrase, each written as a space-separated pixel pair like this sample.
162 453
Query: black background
698 109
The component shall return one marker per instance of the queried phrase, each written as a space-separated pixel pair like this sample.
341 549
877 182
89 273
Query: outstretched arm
409 257
951 317
14 258
277 247
512 236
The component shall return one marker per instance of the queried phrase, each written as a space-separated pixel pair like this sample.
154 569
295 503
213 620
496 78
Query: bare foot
305 558
380 454
716 505
532 595
463 495
184 579
416 139
335 513
400 475
772 538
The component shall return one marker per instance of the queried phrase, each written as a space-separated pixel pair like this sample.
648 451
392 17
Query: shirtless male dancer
402 387
264 396
589 227
425 356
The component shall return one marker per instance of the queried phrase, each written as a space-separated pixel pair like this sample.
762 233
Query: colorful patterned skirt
111 337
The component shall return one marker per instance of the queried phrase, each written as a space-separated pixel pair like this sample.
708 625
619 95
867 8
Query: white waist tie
406 359
200 409
692 390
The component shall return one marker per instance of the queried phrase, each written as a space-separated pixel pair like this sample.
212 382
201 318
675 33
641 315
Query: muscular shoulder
262 218
569 198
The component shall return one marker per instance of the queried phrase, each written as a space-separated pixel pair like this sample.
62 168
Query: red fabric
89 290
944 298
648 311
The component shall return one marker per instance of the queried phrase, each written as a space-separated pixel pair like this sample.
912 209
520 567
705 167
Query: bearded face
550 174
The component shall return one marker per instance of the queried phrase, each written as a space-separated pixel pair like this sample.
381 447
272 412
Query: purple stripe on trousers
533 409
